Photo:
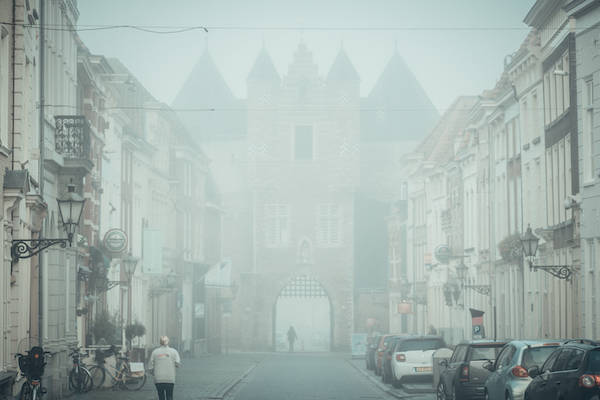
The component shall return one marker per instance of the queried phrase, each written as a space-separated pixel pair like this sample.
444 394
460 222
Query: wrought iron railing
72 139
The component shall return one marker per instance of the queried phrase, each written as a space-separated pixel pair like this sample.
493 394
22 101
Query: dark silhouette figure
291 336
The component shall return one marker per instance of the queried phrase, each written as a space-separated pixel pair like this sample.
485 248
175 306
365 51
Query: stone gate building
305 169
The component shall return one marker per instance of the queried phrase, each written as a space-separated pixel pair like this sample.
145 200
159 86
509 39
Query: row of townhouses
523 155
75 126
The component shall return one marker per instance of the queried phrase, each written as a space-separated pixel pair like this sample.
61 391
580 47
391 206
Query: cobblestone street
208 377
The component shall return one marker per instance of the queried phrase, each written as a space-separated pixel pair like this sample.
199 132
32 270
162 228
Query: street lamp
530 244
70 209
129 264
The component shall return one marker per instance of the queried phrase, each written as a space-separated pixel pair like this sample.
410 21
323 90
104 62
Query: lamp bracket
26 248
485 290
564 272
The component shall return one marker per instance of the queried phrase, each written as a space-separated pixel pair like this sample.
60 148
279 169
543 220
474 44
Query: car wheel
508 396
486 395
396 382
441 392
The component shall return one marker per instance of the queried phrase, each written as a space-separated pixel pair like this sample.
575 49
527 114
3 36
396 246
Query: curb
378 383
223 393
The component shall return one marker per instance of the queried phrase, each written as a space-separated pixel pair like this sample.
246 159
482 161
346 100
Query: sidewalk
414 392
206 377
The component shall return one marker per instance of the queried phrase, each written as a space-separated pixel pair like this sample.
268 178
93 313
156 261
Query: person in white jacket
163 362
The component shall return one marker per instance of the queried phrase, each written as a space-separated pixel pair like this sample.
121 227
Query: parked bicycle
126 375
80 378
31 365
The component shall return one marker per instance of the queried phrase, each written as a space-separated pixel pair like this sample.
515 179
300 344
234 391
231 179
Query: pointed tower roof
397 107
206 90
342 68
263 68
205 84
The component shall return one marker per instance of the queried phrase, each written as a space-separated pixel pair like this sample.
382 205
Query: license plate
423 369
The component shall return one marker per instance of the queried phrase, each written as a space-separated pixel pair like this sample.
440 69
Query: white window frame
277 219
329 225
588 130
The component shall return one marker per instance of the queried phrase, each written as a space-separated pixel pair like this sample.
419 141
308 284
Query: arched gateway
305 305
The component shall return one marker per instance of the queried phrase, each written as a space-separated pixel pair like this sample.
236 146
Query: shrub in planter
511 249
104 327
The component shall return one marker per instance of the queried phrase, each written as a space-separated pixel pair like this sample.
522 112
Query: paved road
268 376
311 377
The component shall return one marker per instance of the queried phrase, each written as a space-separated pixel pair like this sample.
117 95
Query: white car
412 359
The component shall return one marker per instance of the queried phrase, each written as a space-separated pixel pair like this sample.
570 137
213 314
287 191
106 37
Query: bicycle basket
24 364
36 362
136 369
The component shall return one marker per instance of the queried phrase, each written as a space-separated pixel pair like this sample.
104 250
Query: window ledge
589 182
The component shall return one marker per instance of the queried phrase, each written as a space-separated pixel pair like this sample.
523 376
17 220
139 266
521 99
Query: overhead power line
176 29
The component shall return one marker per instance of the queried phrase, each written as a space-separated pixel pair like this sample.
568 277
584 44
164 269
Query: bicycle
122 375
32 366
80 378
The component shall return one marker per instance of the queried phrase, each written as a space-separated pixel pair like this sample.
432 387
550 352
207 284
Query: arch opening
304 304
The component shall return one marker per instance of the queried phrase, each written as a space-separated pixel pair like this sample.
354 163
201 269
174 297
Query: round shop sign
115 241
442 254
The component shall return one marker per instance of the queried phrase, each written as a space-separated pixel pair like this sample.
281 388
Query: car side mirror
534 371
489 366
444 363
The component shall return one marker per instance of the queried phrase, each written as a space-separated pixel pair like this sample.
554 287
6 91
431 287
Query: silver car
509 377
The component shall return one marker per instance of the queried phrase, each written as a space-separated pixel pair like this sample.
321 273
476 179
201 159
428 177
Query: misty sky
454 47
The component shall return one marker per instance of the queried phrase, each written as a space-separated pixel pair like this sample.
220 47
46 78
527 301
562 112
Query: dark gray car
463 376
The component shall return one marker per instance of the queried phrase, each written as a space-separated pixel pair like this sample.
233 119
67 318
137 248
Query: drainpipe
41 331
14 78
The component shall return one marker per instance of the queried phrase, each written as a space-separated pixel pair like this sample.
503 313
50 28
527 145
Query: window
550 361
594 361
480 353
459 354
575 359
277 225
536 356
562 360
588 129
420 345
329 225
505 357
303 143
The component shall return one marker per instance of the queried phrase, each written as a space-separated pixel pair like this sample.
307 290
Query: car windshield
419 344
536 356
594 361
480 353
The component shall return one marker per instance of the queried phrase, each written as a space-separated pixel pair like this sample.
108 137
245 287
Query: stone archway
304 304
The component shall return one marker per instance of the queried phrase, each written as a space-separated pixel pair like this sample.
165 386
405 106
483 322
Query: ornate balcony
72 139
72 143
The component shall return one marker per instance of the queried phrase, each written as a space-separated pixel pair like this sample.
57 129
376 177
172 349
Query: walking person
163 362
291 336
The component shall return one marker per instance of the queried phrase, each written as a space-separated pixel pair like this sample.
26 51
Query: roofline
540 11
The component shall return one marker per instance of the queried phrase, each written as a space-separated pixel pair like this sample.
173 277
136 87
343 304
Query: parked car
463 376
509 377
412 359
372 343
571 372
384 341
386 368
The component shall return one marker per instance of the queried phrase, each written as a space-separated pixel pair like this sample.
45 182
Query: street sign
115 241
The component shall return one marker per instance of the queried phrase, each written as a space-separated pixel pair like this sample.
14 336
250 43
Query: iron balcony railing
72 138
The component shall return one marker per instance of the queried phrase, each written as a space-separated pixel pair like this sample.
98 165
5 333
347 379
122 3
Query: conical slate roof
263 68
397 107
342 69
206 104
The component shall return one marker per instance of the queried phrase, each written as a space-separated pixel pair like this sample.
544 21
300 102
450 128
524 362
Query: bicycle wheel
26 392
98 376
134 380
80 381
